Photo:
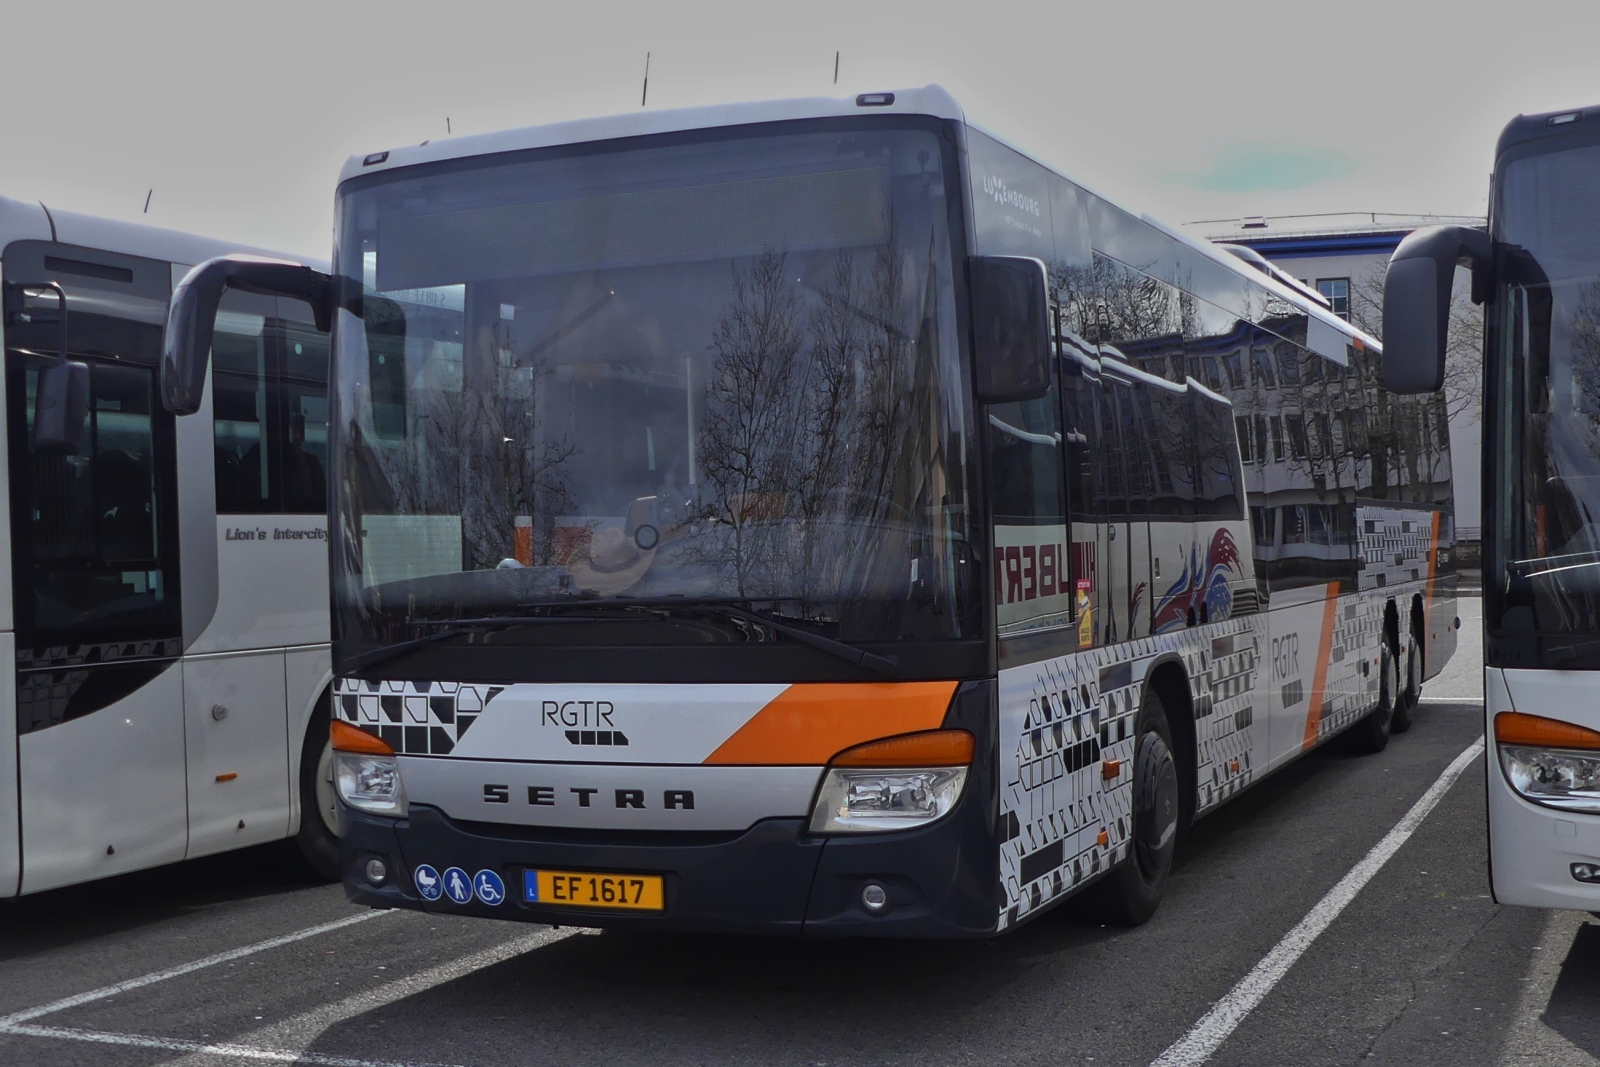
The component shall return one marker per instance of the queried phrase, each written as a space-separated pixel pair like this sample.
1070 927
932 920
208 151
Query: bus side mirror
1010 327
192 316
1416 303
60 408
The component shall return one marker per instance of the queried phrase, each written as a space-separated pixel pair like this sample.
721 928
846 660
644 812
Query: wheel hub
1155 805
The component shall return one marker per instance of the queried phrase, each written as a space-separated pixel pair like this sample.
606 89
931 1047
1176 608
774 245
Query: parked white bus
817 516
165 580
1538 270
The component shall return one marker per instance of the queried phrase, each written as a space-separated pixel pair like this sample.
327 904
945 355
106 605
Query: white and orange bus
818 516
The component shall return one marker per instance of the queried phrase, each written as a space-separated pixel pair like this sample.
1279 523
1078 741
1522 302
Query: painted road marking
12 1021
1207 1035
206 1048
302 1031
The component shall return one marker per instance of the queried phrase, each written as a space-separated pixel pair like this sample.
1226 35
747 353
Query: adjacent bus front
1542 514
655 601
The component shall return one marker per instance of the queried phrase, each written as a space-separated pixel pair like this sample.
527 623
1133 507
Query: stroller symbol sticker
490 889
428 883
457 887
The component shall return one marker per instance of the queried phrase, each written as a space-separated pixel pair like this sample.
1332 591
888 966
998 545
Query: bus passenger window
303 400
1031 583
239 406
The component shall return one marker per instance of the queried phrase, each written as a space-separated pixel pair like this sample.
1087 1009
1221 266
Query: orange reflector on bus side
1515 728
347 738
931 748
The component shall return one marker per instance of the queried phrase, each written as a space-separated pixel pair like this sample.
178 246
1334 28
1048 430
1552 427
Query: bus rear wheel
1130 894
318 838
1411 692
1371 734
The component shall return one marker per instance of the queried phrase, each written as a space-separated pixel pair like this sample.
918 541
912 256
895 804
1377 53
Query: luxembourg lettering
996 187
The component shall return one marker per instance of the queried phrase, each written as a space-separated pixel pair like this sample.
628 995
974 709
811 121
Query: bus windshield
1546 367
711 369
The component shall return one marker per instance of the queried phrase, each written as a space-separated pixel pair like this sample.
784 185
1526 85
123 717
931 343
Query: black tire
1371 734
1411 687
317 841
1129 895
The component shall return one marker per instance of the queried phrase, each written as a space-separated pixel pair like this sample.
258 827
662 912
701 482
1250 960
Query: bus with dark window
818 517
165 578
1537 271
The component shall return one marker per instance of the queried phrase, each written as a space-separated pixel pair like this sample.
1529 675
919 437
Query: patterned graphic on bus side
1062 821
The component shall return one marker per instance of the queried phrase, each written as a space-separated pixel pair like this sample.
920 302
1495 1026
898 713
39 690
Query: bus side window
270 408
1026 500
302 418
239 361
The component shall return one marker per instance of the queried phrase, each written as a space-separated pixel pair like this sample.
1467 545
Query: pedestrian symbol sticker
490 889
457 887
428 883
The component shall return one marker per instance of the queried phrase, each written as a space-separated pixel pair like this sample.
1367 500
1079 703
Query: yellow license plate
581 889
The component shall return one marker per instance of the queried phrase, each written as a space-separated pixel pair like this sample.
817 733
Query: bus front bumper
773 878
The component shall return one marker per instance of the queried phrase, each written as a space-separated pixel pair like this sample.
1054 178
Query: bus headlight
370 783
1549 761
864 801
895 784
1553 777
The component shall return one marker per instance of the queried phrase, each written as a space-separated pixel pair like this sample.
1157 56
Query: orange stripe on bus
806 724
1330 609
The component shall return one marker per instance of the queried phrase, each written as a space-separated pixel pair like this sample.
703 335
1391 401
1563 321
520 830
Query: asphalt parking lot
237 959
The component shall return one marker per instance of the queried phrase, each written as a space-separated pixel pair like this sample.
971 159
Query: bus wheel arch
1132 891
1170 683
1371 734
317 840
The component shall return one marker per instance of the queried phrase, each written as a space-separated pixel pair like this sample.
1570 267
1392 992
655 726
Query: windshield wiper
885 665
454 628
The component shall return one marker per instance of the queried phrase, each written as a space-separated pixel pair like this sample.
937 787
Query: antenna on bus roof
646 93
447 124
836 68
147 197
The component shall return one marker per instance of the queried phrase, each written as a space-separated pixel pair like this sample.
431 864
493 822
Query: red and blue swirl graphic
1200 585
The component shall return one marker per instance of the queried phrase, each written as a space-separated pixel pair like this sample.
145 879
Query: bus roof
932 100
22 221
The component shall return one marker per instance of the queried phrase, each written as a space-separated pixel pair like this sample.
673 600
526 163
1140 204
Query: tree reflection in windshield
594 412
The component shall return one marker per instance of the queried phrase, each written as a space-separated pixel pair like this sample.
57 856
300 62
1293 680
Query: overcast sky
239 116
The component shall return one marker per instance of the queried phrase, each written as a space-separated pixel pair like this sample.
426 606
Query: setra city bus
1537 270
819 517
164 607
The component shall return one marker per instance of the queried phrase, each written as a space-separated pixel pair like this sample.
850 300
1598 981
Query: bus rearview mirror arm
192 316
1416 302
1010 327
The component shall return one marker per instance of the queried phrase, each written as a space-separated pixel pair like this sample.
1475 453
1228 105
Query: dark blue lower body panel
774 878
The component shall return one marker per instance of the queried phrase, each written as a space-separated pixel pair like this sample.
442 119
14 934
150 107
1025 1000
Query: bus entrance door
99 699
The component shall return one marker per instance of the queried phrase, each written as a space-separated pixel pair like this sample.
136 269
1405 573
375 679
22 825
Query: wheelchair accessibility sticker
489 888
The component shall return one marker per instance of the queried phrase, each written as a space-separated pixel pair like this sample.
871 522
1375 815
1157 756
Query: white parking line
300 1032
1207 1035
167 1044
10 1022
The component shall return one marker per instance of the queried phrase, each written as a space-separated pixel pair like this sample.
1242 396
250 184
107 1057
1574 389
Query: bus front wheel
1129 895
318 838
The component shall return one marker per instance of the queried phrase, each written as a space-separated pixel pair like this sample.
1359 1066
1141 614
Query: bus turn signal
347 738
1515 728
